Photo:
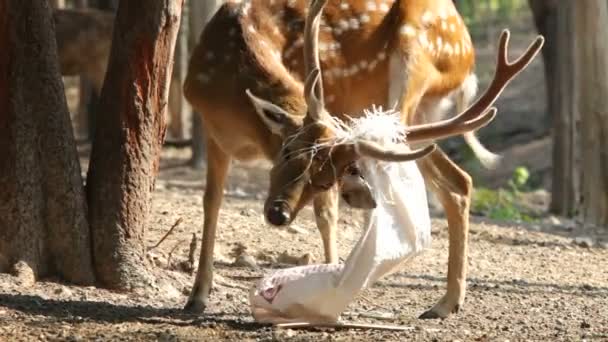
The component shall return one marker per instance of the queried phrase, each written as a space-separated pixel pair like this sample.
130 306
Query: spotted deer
84 39
255 76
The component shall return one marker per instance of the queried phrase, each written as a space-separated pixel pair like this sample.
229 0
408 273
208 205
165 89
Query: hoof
439 312
430 315
195 306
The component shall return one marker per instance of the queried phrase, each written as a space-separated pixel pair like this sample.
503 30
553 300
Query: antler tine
373 150
504 73
313 88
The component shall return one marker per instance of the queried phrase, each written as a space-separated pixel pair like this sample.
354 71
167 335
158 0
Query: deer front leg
326 214
217 169
453 188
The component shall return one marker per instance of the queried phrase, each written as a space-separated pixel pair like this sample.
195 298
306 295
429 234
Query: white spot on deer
427 17
442 14
372 65
251 29
353 23
383 7
344 5
364 19
343 24
439 42
457 48
423 39
444 25
353 70
334 72
452 27
465 46
370 6
408 30
291 3
363 64
330 98
448 49
337 31
382 55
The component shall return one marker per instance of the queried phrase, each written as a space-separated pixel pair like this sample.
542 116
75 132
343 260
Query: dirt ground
526 282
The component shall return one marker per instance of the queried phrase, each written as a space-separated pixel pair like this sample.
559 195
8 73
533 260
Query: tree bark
128 139
200 12
591 80
554 21
43 226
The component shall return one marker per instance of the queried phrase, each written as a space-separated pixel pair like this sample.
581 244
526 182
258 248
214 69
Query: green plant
501 204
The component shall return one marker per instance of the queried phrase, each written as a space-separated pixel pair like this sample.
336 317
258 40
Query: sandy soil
526 282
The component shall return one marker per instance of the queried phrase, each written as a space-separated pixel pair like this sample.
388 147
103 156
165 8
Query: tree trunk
553 20
128 138
43 226
200 12
179 108
591 80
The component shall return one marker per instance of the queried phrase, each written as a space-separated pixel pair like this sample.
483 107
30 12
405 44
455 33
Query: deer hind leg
218 162
326 214
453 188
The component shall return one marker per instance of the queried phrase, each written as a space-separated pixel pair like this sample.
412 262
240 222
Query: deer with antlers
262 94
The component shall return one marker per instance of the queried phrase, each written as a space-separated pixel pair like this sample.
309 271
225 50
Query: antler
474 115
313 88
373 150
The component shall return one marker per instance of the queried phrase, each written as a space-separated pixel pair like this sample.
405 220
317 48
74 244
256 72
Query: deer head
311 162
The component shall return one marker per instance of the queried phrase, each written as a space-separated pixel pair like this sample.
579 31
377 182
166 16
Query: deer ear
276 118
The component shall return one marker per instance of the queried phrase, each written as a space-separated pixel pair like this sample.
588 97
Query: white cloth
396 230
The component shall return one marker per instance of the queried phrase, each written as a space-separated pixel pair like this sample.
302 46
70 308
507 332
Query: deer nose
278 214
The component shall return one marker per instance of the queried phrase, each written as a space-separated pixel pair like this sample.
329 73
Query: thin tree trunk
553 20
128 138
591 80
43 226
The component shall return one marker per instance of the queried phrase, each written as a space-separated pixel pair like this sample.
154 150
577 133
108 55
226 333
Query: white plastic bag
396 230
